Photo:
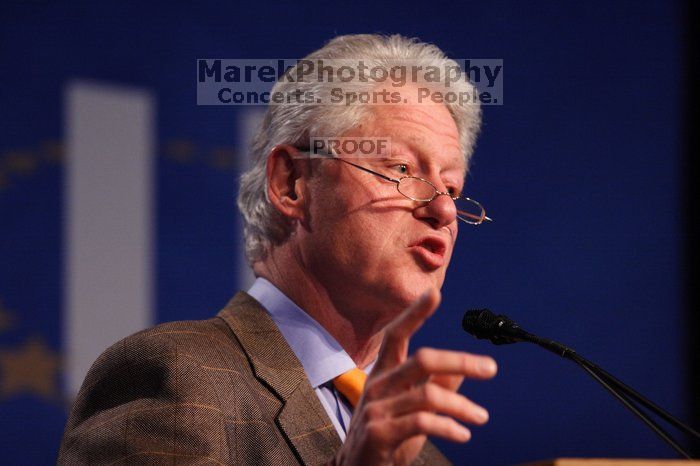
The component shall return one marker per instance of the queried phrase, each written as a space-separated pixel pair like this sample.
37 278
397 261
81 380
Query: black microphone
500 330
485 325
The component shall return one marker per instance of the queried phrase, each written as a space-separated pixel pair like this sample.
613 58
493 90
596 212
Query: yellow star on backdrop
180 150
23 162
7 319
223 158
31 368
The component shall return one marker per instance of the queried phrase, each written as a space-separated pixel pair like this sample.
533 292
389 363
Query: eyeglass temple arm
335 157
367 170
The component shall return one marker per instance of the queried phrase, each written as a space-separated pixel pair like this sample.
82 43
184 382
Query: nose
439 212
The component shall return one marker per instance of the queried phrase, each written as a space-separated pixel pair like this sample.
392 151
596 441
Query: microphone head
479 323
485 325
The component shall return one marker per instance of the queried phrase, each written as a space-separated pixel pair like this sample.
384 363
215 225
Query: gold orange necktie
350 384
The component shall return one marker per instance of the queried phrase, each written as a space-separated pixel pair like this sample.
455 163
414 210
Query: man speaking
350 250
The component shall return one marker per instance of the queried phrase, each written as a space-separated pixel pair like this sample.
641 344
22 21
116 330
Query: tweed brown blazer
227 390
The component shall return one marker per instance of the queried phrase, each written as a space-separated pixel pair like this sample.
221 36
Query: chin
411 290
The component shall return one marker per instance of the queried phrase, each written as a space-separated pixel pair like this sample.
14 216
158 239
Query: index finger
398 333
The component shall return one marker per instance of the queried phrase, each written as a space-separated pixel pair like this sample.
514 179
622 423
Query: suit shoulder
204 341
157 387
156 363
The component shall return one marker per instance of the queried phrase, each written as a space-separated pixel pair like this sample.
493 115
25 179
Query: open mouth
430 252
434 245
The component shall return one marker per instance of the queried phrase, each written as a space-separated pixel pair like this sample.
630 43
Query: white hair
295 123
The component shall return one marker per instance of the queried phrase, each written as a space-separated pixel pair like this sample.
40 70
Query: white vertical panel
108 215
249 119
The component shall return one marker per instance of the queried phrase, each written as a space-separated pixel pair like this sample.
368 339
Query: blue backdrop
580 168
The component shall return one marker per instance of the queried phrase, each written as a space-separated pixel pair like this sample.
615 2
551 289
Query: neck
359 335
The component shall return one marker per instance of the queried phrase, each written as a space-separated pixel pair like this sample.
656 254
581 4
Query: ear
285 181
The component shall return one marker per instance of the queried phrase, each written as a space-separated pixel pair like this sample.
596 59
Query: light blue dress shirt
320 354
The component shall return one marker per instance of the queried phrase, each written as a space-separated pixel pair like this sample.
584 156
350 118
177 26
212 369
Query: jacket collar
302 419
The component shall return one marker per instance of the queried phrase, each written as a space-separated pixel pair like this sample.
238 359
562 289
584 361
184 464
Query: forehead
425 131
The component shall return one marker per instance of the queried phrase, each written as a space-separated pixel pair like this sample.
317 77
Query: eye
402 168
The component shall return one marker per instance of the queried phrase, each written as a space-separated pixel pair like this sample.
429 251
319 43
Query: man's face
374 250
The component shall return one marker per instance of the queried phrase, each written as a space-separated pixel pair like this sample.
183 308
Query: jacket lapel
302 419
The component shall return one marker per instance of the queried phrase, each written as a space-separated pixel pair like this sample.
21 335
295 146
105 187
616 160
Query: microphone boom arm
623 395
500 330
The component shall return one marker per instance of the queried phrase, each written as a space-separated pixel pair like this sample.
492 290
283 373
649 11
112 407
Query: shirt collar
320 354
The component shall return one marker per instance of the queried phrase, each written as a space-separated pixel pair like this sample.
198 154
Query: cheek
369 245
